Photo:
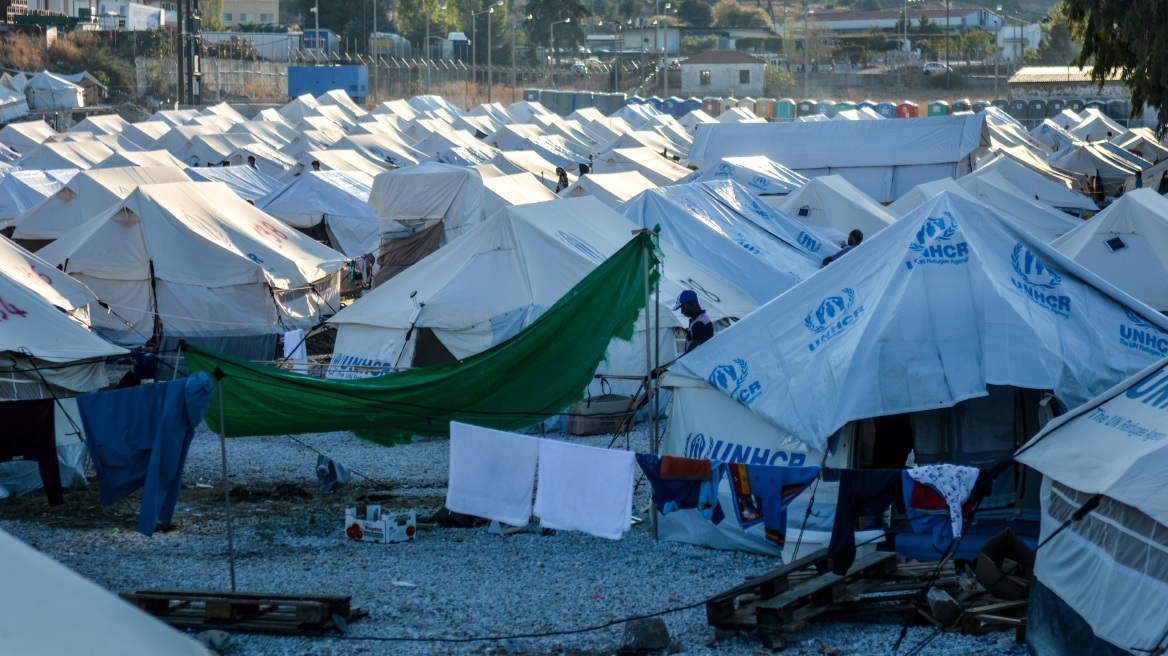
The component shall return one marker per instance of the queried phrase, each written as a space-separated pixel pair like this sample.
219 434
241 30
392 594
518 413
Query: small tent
1056 193
332 207
65 155
759 174
47 90
515 189
20 191
246 182
649 163
831 202
23 137
1033 216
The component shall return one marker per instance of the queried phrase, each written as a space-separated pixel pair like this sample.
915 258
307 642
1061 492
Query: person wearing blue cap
701 329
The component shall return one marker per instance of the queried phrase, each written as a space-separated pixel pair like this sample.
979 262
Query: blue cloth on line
138 437
763 493
670 496
920 521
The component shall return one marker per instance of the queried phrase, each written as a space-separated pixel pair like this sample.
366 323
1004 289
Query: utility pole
490 12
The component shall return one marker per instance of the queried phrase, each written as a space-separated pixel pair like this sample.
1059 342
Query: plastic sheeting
874 335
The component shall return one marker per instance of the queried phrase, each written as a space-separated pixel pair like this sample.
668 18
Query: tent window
704 76
805 210
1116 244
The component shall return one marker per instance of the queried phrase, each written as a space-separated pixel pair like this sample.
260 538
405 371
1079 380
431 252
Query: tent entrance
429 350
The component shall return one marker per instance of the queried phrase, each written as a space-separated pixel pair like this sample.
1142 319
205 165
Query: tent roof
20 191
65 155
832 202
428 192
1042 187
338 198
648 163
515 189
873 333
1126 245
154 158
1031 215
612 189
246 182
23 137
923 193
758 173
35 273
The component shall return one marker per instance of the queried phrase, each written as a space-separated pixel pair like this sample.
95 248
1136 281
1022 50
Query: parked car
935 67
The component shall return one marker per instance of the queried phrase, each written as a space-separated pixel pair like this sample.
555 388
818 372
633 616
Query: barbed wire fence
256 80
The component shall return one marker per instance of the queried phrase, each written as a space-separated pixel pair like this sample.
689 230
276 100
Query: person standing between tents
700 329
561 179
854 239
1162 188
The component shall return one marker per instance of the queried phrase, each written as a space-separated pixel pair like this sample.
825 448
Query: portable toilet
548 98
825 107
785 109
961 105
805 108
565 103
1076 105
907 109
531 95
1001 104
671 106
765 108
866 103
634 100
1036 110
1017 109
1117 109
690 105
938 108
654 102
979 106
603 103
1055 107
886 109
841 106
585 99
712 105
616 101
726 104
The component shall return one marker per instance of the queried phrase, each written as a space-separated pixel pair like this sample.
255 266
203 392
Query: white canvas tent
331 207
1096 127
246 182
516 189
417 197
499 277
23 137
873 335
86 195
140 158
65 155
1101 586
46 90
651 164
13 104
1126 245
759 174
694 222
884 159
99 622
1033 216
1055 193
923 193
831 202
32 271
20 191
191 260
612 189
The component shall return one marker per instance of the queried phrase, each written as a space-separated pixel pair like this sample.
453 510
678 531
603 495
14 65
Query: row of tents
979 304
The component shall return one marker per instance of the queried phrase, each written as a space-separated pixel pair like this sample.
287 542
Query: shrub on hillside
21 53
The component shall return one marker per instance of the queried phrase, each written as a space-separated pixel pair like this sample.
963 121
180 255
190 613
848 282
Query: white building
722 73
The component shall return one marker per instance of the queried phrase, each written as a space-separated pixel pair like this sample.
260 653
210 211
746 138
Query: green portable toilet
938 108
785 110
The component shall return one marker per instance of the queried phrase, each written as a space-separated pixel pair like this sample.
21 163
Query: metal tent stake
226 487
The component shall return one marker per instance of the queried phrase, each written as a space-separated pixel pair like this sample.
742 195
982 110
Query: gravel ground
450 583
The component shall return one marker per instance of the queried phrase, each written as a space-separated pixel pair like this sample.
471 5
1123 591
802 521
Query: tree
977 44
776 80
1058 46
729 13
545 12
1128 39
692 45
212 12
353 18
411 16
695 13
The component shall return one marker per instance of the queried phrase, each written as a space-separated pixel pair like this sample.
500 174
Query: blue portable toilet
961 105
1055 107
565 103
531 95
1017 109
654 101
548 98
806 108
672 106
634 100
615 102
585 99
690 105
866 103
979 106
886 109
1098 105
1036 110
1117 109
1001 104
825 107
1076 105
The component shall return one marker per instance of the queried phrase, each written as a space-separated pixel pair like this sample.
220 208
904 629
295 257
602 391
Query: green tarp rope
534 375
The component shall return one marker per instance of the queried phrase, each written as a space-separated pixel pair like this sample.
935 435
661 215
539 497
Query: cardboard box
598 415
996 566
369 524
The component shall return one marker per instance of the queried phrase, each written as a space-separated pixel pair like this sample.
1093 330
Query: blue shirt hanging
138 437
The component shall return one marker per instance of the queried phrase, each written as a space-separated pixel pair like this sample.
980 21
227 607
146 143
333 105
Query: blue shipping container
315 80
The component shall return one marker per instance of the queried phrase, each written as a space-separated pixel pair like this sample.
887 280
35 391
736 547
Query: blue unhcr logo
725 170
1038 282
701 447
834 315
741 239
1142 336
759 182
934 243
807 241
580 245
731 378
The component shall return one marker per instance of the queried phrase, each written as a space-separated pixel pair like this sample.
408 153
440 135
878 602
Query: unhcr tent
759 174
13 104
516 189
140 158
191 260
332 207
46 90
1053 136
498 277
694 222
387 150
1033 216
884 159
612 189
146 133
938 329
649 163
1096 127
1092 161
1101 586
333 160
23 137
831 202
85 196
20 191
65 155
246 182
1126 245
421 208
517 161
33 272
99 622
923 193
1056 193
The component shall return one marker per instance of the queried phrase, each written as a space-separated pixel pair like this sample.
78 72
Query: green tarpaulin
537 373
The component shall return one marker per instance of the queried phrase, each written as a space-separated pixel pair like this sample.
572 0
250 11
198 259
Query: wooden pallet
248 612
786 598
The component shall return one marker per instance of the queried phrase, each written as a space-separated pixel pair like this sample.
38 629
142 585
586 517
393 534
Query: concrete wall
723 80
1067 90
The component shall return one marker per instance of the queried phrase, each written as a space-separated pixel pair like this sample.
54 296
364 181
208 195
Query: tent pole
226 489
649 374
